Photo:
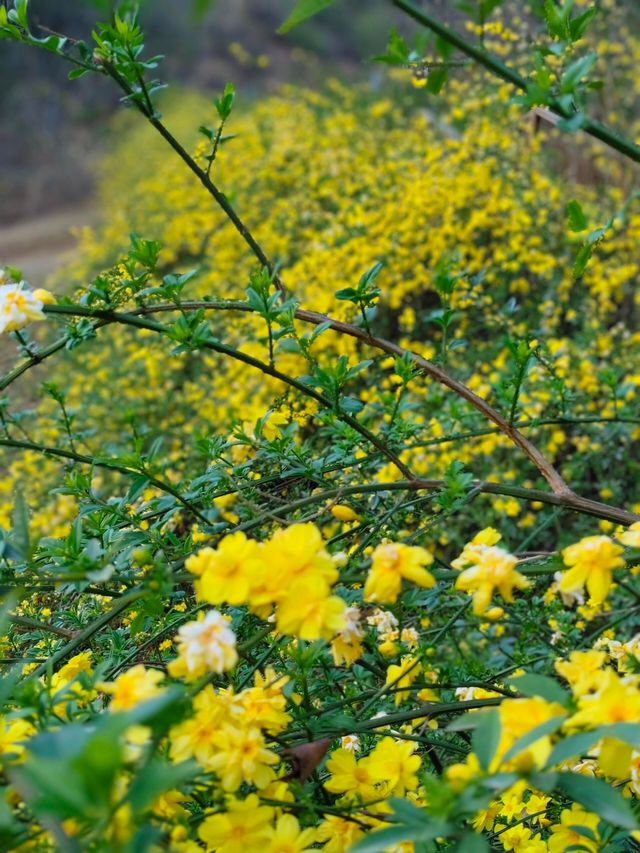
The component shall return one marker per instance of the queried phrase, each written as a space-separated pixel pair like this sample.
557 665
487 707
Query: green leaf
582 259
20 539
155 778
347 294
578 25
596 796
472 843
576 71
581 743
78 72
486 737
304 9
375 842
397 50
547 688
576 219
436 80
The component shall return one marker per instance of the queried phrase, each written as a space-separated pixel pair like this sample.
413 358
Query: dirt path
39 246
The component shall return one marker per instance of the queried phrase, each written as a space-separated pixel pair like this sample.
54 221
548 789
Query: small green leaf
486 737
582 259
304 9
576 219
20 539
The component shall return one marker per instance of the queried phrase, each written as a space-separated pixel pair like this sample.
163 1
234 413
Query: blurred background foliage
52 132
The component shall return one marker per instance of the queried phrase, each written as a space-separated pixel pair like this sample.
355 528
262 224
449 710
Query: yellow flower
297 553
309 611
350 775
241 756
339 833
192 738
13 734
391 562
343 513
287 837
566 834
44 296
402 676
483 539
631 536
224 573
243 827
492 569
205 646
617 700
134 686
583 670
592 561
395 764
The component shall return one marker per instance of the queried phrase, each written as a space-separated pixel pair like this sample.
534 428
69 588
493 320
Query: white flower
352 630
350 742
465 694
208 645
19 305
384 621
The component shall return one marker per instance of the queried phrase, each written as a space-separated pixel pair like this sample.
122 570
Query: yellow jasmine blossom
519 716
350 775
241 755
287 837
339 833
395 764
224 573
402 676
566 834
483 539
243 827
346 646
13 733
592 561
308 611
631 536
583 670
393 562
492 569
134 686
343 513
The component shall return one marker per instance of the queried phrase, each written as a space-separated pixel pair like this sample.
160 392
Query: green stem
504 72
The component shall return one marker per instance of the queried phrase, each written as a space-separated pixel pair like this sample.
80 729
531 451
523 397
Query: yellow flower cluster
226 733
291 574
390 769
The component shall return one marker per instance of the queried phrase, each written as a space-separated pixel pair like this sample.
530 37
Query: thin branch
499 69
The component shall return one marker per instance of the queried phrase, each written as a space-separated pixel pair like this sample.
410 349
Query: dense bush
333 545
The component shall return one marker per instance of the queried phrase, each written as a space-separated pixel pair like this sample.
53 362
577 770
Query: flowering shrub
253 600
